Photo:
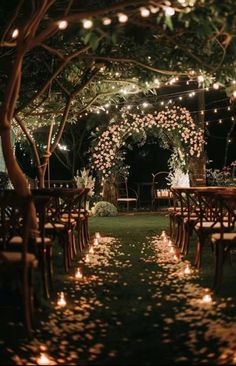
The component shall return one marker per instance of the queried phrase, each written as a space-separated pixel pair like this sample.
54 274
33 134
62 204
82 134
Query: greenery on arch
173 126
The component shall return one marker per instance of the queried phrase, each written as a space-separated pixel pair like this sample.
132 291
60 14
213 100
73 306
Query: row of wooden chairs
210 212
61 212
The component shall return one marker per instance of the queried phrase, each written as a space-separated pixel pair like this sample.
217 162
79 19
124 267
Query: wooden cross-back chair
18 263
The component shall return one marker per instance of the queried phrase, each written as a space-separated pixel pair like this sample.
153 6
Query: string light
62 24
216 86
87 23
169 11
122 18
15 33
106 21
144 12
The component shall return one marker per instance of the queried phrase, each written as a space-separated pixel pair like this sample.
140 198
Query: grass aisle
133 306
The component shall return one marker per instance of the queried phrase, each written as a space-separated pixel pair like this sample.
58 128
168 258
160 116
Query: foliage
224 177
104 208
179 133
85 180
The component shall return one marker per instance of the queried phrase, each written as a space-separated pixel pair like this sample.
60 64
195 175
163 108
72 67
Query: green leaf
168 22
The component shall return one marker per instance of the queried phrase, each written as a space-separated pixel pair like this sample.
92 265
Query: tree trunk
109 192
15 173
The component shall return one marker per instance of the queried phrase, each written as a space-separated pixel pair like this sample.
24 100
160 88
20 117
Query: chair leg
219 261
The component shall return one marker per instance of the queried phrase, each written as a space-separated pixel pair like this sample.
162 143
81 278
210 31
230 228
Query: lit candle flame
87 259
91 250
61 301
175 258
78 274
95 242
43 360
187 270
207 299
172 250
97 235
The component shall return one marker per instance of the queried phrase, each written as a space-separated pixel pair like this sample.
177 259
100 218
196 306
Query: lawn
133 306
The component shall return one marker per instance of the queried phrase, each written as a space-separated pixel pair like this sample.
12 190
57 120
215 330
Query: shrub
104 208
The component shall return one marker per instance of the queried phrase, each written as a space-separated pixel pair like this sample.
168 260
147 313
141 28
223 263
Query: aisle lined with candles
131 300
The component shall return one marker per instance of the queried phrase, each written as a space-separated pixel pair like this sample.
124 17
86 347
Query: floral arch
175 127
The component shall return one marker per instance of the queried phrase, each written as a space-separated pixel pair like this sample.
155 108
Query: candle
96 241
91 250
175 258
187 270
207 299
78 274
44 360
87 259
61 301
97 235
172 250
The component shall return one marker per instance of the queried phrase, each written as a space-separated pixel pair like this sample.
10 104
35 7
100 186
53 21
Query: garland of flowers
174 126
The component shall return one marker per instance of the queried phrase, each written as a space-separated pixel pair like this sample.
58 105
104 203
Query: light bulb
87 23
144 12
122 17
62 24
169 11
15 33
106 21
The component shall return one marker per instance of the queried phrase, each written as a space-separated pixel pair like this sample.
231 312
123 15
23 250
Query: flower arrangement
104 208
85 180
177 123
224 177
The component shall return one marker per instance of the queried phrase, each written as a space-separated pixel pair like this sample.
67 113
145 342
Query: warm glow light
43 360
175 258
200 78
187 269
169 11
216 86
207 299
87 259
95 241
172 250
122 17
163 234
91 250
15 33
106 21
170 243
87 23
62 24
78 274
145 104
61 301
144 12
234 93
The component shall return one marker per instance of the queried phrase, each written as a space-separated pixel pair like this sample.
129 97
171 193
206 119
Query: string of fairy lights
160 100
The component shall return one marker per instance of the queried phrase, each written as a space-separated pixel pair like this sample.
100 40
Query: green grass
132 307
